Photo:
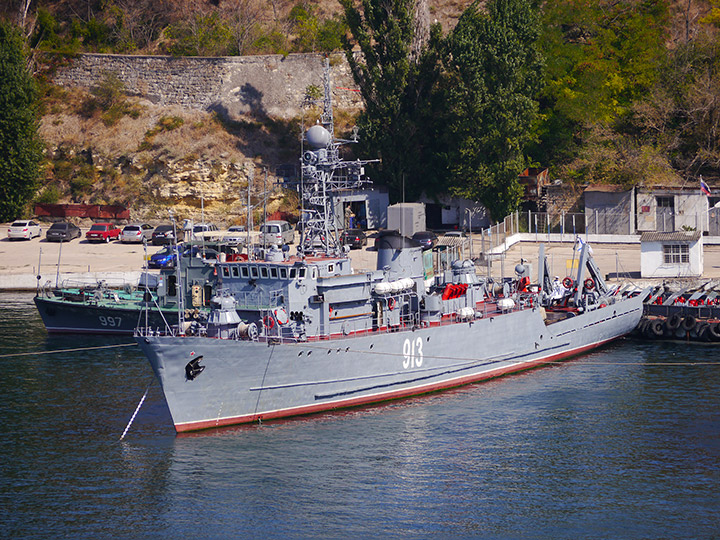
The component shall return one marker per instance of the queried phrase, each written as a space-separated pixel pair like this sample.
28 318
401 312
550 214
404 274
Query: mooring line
137 409
70 350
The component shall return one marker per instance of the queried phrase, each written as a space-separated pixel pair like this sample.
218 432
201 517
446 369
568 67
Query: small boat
103 309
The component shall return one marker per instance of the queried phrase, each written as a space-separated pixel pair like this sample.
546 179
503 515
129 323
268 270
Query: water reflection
594 448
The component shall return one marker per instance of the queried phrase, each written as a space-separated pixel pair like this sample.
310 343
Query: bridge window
244 272
273 272
263 272
254 272
283 273
235 271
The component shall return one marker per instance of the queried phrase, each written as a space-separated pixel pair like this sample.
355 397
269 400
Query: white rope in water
137 409
69 350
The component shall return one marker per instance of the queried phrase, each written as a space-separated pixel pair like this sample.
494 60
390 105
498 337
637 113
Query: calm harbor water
621 443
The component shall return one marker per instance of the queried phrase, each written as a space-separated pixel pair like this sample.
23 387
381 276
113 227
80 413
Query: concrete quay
79 261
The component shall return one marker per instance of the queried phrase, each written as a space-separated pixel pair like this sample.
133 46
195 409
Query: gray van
276 233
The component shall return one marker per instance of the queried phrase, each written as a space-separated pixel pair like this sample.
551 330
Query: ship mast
324 175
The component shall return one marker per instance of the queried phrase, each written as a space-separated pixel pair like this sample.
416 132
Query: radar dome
317 136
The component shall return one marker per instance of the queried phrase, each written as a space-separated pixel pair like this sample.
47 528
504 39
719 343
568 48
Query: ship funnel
400 255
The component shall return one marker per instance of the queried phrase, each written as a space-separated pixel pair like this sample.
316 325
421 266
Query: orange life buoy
391 304
568 282
268 322
589 284
523 284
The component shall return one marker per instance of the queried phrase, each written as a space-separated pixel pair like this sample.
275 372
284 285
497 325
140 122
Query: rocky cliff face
168 158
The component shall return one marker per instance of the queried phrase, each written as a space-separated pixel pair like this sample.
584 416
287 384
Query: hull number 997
412 353
113 322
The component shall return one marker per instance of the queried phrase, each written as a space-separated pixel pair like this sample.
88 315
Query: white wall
652 263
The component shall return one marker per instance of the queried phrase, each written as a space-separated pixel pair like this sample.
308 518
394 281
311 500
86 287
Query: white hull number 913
413 353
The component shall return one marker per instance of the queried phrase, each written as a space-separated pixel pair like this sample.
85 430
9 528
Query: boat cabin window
313 273
283 273
293 273
331 268
235 271
254 272
226 271
301 273
263 272
273 272
244 271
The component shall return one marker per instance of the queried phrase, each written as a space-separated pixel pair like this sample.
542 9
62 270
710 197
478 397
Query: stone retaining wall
267 85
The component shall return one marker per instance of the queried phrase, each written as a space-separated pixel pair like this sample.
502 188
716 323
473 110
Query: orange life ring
268 322
589 284
523 284
568 282
391 304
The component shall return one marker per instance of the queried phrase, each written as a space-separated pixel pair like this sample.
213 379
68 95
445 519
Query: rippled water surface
620 443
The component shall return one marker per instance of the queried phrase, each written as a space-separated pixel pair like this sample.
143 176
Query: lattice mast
324 174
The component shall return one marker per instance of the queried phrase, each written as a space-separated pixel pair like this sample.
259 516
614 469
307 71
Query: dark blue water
621 443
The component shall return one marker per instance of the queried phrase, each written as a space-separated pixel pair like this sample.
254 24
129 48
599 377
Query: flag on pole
704 187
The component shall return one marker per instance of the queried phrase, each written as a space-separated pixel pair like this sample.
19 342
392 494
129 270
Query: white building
671 254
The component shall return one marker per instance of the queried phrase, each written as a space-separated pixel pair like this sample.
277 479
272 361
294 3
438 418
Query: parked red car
102 232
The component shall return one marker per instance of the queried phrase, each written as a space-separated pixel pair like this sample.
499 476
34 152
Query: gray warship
293 335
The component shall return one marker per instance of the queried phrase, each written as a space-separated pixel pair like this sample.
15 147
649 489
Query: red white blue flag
704 187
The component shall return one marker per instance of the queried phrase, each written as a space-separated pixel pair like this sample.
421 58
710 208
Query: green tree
200 35
20 145
494 72
396 76
602 56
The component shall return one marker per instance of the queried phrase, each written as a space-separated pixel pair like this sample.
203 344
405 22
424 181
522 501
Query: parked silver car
136 232
277 233
24 228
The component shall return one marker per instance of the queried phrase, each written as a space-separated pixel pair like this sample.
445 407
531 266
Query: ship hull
64 317
246 381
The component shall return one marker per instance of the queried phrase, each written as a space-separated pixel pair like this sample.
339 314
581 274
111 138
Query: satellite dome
317 136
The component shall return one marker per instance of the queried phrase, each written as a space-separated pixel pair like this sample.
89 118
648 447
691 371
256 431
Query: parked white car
236 237
277 232
24 228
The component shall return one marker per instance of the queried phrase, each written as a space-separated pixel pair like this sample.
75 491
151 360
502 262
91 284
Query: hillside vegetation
611 91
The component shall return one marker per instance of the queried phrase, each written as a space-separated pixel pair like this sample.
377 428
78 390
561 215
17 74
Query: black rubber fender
689 323
702 331
649 331
640 328
657 327
673 321
714 332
